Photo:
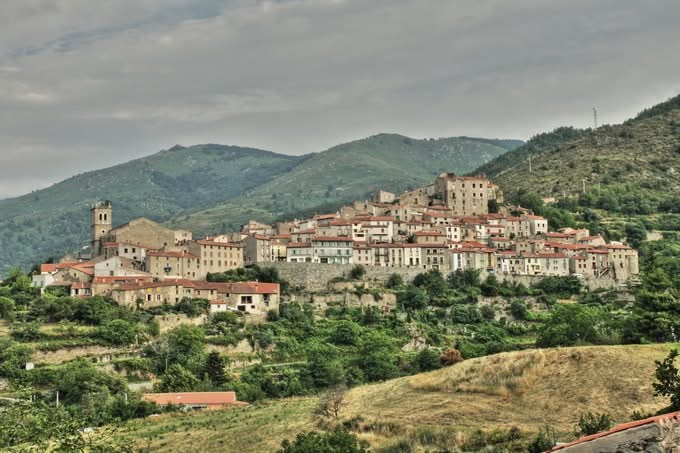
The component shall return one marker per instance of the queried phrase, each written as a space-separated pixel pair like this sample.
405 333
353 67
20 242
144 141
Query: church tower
101 225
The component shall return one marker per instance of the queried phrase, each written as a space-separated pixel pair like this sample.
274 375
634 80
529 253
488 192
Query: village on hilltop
455 223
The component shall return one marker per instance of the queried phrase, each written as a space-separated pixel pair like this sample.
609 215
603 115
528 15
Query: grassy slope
643 152
55 220
348 172
525 389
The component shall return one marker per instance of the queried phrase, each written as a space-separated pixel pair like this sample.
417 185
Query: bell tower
100 225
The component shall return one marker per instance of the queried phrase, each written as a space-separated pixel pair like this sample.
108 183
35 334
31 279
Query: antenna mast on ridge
595 117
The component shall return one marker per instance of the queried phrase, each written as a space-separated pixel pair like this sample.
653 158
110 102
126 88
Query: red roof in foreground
192 398
623 427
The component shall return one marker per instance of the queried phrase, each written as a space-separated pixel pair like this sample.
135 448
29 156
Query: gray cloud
83 87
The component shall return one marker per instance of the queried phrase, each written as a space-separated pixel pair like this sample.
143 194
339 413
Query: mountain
540 143
215 187
348 172
634 163
55 220
441 410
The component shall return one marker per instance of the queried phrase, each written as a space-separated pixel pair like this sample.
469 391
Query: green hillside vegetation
55 220
348 172
180 181
468 405
631 168
540 143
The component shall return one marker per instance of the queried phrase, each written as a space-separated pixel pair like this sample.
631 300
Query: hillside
55 220
640 157
226 185
540 143
347 172
439 409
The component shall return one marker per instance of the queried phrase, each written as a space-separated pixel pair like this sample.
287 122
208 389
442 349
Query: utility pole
529 163
595 117
57 398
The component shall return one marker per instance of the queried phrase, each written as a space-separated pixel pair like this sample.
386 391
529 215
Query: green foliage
563 287
13 357
668 380
394 282
593 423
519 310
572 324
214 368
635 234
357 272
7 307
428 359
178 379
118 332
337 441
193 307
544 441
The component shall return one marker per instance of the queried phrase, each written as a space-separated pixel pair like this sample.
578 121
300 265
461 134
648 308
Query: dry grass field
527 389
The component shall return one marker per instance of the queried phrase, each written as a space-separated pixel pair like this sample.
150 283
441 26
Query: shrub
544 441
428 359
357 272
450 357
592 423
337 441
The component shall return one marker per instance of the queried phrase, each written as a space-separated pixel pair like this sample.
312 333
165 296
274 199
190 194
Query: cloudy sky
85 86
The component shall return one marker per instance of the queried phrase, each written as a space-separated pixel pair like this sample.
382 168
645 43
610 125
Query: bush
592 423
450 357
428 359
394 281
519 310
544 441
337 441
357 272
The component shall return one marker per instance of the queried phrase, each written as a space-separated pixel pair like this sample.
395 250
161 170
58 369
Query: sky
85 85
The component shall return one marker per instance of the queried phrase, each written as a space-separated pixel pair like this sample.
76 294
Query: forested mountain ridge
55 220
348 172
179 181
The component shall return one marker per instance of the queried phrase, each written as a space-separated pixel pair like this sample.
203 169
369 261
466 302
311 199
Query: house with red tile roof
195 400
660 433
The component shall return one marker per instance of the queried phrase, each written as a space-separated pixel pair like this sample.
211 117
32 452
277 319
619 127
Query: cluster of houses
457 222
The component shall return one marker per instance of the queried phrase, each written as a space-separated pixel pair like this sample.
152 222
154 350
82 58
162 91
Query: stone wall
315 277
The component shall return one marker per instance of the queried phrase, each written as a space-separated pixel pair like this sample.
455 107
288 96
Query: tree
346 333
571 324
214 368
635 234
668 380
331 402
7 308
324 366
394 281
337 441
357 272
185 342
593 423
519 310
428 359
178 379
118 332
13 357
413 298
